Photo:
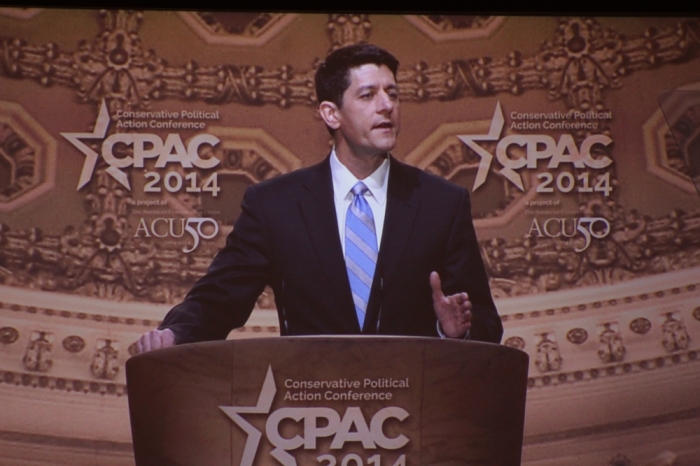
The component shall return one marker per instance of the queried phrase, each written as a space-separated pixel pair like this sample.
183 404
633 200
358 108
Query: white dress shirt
344 180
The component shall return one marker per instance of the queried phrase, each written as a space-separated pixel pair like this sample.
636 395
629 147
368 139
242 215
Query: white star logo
101 126
494 134
267 394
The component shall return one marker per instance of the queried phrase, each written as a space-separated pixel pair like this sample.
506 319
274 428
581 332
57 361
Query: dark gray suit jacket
287 237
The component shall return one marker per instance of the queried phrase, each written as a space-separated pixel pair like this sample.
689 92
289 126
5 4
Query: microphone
381 297
283 313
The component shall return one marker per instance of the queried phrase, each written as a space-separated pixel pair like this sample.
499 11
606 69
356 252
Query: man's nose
386 103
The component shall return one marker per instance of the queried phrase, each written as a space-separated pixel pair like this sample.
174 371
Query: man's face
369 117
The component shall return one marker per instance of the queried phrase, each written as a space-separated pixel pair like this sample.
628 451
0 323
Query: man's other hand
453 312
155 339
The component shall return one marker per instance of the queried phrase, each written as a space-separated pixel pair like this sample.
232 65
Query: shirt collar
344 180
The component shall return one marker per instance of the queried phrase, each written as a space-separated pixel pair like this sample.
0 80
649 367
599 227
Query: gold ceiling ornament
578 65
348 29
102 258
633 367
640 325
515 342
547 356
671 136
115 67
611 346
637 246
577 336
38 355
105 360
237 28
27 154
676 336
442 28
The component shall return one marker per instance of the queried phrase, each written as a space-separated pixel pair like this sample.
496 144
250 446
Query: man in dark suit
360 243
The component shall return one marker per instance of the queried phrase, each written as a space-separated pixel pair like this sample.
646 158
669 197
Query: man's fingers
436 286
155 339
145 342
464 317
461 298
167 338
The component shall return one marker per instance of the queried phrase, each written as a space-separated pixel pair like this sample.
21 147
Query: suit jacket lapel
318 209
401 208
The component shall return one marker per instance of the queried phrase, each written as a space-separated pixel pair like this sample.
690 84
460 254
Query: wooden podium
345 401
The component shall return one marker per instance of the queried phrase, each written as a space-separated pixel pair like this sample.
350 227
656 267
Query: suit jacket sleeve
224 298
464 271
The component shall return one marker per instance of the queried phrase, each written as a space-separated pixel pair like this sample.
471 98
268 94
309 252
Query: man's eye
366 96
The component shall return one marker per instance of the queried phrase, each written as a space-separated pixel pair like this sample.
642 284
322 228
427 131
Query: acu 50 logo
147 146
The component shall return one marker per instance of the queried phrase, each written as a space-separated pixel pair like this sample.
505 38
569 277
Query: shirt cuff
466 336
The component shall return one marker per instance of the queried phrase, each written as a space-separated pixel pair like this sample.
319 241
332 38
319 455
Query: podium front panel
375 401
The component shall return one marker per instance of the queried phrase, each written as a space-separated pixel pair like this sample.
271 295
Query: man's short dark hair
333 74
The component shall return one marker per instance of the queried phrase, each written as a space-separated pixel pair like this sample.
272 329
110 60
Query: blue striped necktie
360 249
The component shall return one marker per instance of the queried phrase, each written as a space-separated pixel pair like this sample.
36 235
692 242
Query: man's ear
329 113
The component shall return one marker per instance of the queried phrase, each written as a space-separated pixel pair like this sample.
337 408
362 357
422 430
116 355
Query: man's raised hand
453 312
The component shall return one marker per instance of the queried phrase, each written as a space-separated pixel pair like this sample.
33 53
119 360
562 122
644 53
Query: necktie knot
359 189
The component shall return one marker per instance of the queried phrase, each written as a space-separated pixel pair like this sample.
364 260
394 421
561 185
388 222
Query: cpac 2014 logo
541 147
319 422
147 146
